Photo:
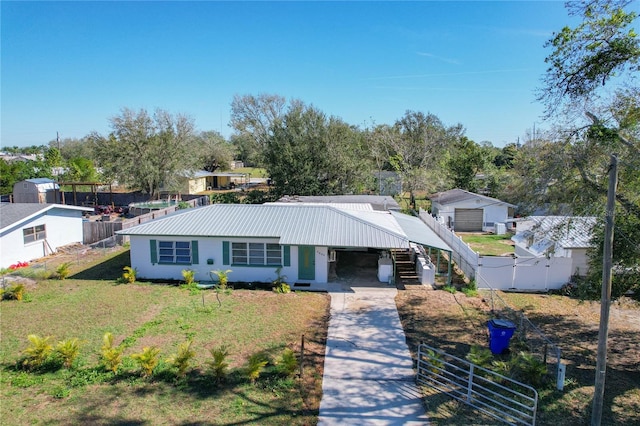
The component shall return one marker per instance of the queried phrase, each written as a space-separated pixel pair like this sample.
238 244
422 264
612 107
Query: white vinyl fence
503 272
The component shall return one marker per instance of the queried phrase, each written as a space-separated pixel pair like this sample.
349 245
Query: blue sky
70 66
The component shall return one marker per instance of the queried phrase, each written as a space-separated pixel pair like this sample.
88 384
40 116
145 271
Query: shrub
479 356
470 289
180 360
219 363
38 352
254 367
63 270
223 278
451 289
288 363
529 368
279 284
189 276
15 292
68 350
147 359
111 357
129 275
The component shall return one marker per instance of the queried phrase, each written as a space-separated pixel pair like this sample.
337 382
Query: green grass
90 303
489 244
255 172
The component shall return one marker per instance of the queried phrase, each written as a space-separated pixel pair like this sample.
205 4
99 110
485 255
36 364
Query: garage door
468 220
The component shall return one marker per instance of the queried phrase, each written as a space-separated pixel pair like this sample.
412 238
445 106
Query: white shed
466 211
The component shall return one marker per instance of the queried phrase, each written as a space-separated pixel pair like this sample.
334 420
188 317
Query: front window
256 254
174 252
34 233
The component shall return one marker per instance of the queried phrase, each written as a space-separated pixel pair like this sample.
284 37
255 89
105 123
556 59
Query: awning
419 232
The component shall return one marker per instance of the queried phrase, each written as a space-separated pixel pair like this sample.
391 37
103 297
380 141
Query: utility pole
605 301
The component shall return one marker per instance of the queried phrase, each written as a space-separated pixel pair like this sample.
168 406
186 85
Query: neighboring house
236 164
376 202
40 190
29 231
556 236
195 182
255 240
465 211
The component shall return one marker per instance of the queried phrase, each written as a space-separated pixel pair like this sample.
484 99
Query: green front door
306 263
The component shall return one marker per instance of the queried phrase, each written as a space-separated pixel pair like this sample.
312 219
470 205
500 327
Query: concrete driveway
368 371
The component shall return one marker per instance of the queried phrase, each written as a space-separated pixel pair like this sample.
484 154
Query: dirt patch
454 323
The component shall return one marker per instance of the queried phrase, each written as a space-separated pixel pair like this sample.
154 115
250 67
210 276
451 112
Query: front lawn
90 303
489 244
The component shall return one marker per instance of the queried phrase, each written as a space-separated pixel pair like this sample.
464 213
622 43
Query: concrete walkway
368 372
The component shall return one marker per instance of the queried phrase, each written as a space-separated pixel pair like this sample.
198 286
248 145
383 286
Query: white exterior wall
63 227
211 248
580 260
492 213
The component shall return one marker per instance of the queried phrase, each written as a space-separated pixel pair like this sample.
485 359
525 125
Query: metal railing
493 394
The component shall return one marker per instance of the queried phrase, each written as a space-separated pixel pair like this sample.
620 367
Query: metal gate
491 393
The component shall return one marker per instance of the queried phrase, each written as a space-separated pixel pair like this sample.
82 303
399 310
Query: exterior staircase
405 270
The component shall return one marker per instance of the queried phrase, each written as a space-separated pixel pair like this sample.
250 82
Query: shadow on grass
109 270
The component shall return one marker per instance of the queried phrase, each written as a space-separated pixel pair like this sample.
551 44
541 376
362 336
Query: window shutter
154 251
225 252
287 255
194 252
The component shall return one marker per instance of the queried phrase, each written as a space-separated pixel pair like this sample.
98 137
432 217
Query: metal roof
565 231
377 202
455 195
15 213
418 232
294 225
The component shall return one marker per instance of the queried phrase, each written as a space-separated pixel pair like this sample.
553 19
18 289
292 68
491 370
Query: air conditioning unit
332 255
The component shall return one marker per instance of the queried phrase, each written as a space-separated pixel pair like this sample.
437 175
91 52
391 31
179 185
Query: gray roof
14 213
456 195
565 231
419 232
292 224
39 181
378 202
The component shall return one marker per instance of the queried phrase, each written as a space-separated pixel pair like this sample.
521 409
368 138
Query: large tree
418 143
215 152
310 154
598 56
146 152
253 117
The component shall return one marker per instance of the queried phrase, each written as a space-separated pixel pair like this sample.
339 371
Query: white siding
63 227
492 212
212 248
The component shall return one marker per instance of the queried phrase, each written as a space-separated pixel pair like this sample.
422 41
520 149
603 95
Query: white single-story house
465 211
195 182
255 240
29 231
556 236
39 190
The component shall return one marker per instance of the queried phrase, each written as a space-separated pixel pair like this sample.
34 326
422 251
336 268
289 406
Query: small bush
147 359
111 357
15 292
68 350
63 270
479 356
181 359
189 276
470 289
129 275
282 288
254 367
38 352
451 289
219 364
288 363
529 369
223 278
